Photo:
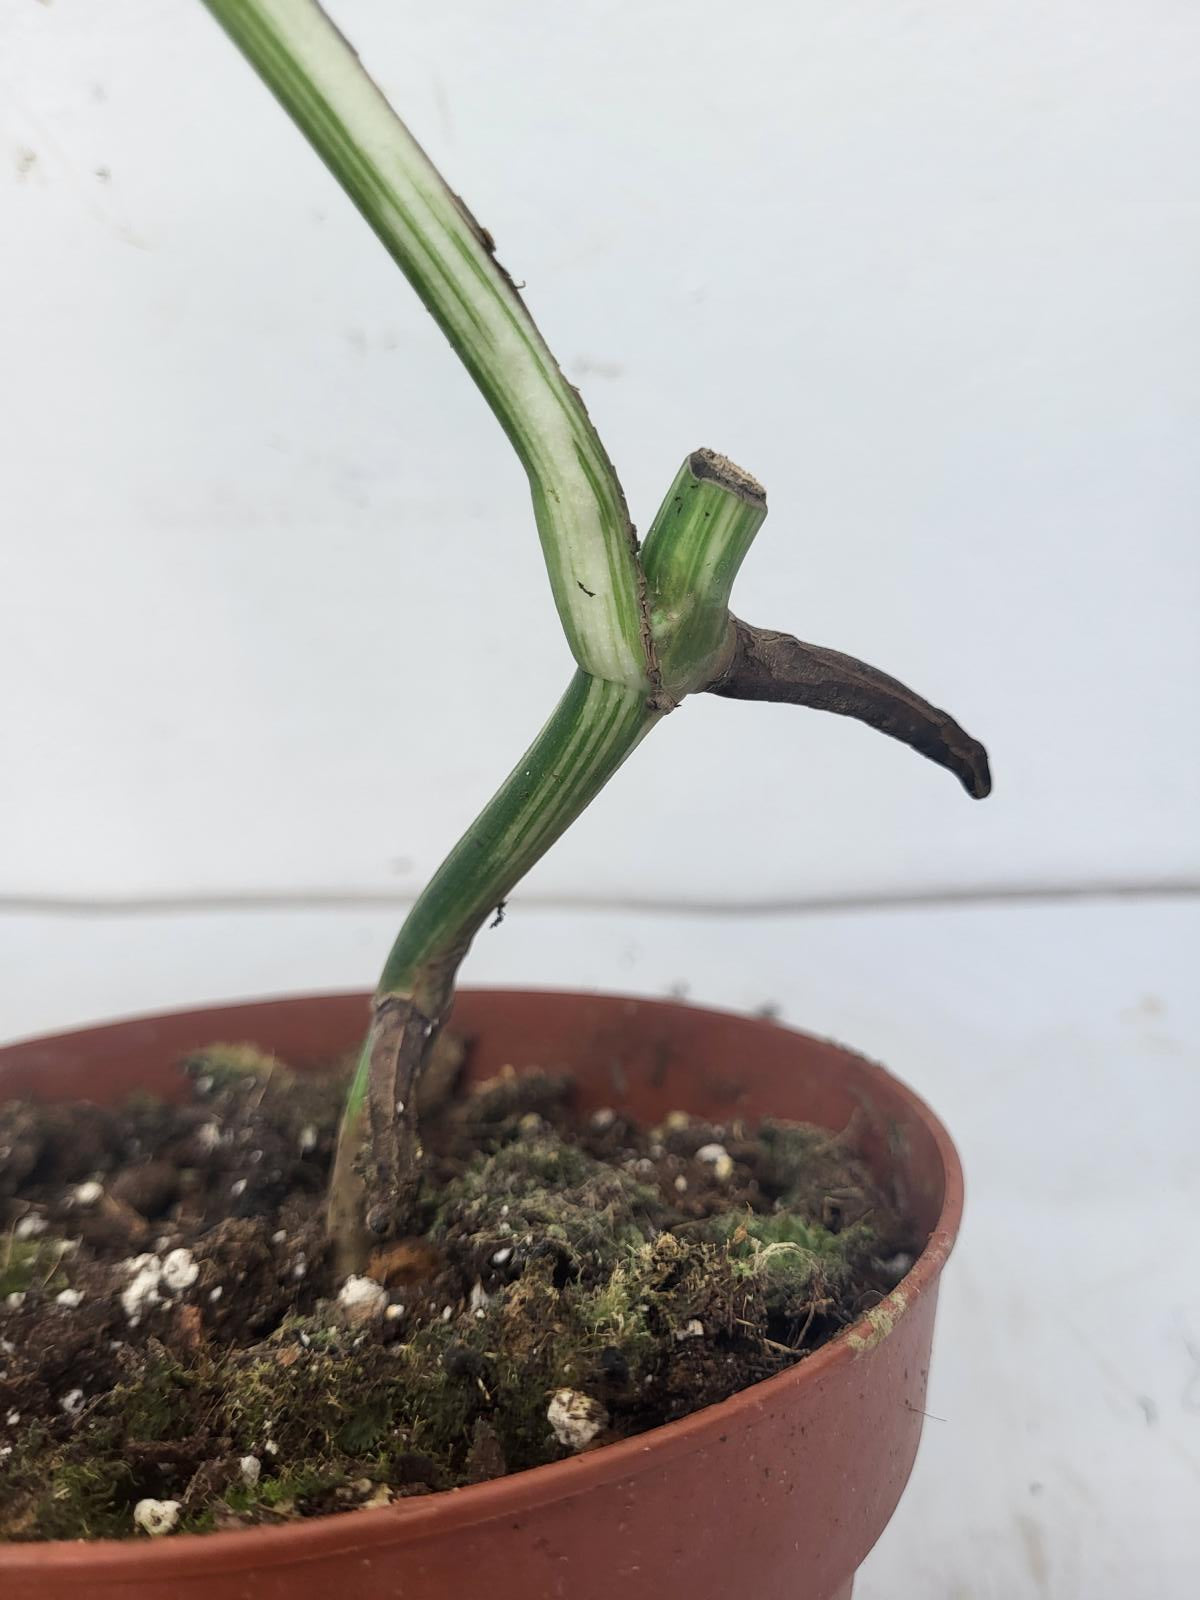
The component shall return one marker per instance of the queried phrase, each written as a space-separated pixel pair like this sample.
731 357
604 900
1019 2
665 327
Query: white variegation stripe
580 509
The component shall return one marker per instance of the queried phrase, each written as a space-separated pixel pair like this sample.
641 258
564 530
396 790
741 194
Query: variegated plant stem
645 627
448 258
638 652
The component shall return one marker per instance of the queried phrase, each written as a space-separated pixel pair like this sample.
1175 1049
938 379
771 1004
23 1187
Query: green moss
204 1521
615 1312
300 1483
793 1147
443 1397
742 1231
807 1170
791 1260
534 1162
52 1491
88 1497
281 1492
159 1406
538 1190
316 1406
367 1424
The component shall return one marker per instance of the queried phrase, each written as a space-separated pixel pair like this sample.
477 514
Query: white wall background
273 613
273 623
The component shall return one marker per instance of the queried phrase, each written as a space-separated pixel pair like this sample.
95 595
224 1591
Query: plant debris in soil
176 1355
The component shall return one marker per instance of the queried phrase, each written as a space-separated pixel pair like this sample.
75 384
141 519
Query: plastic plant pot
777 1493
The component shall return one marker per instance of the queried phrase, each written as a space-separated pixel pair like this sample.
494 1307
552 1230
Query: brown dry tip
766 665
710 464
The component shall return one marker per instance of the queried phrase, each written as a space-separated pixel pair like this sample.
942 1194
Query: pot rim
410 1520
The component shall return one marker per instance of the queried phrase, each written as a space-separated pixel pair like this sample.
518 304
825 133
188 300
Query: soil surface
176 1355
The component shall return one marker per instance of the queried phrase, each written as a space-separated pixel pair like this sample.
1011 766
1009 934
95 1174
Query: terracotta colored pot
777 1494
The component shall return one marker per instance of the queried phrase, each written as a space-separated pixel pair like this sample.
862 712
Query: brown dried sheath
774 666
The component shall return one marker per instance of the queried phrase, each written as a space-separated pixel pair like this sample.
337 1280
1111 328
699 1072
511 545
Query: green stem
701 533
692 554
593 728
616 626
579 506
591 731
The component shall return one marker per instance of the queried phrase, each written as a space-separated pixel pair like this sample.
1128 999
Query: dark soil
175 1353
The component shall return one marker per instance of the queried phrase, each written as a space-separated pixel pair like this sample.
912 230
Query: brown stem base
377 1171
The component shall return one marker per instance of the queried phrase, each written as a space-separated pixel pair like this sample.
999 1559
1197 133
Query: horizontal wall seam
169 903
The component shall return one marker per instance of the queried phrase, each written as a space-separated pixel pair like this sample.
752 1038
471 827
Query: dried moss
224 1065
26 1262
538 1193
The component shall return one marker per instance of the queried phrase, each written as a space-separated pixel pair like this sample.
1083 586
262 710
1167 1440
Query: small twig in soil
771 1344
808 1322
64 1246
266 1083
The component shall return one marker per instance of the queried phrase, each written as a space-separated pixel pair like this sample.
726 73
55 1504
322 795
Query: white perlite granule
141 1292
361 1300
718 1158
155 1278
179 1271
157 1517
575 1418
